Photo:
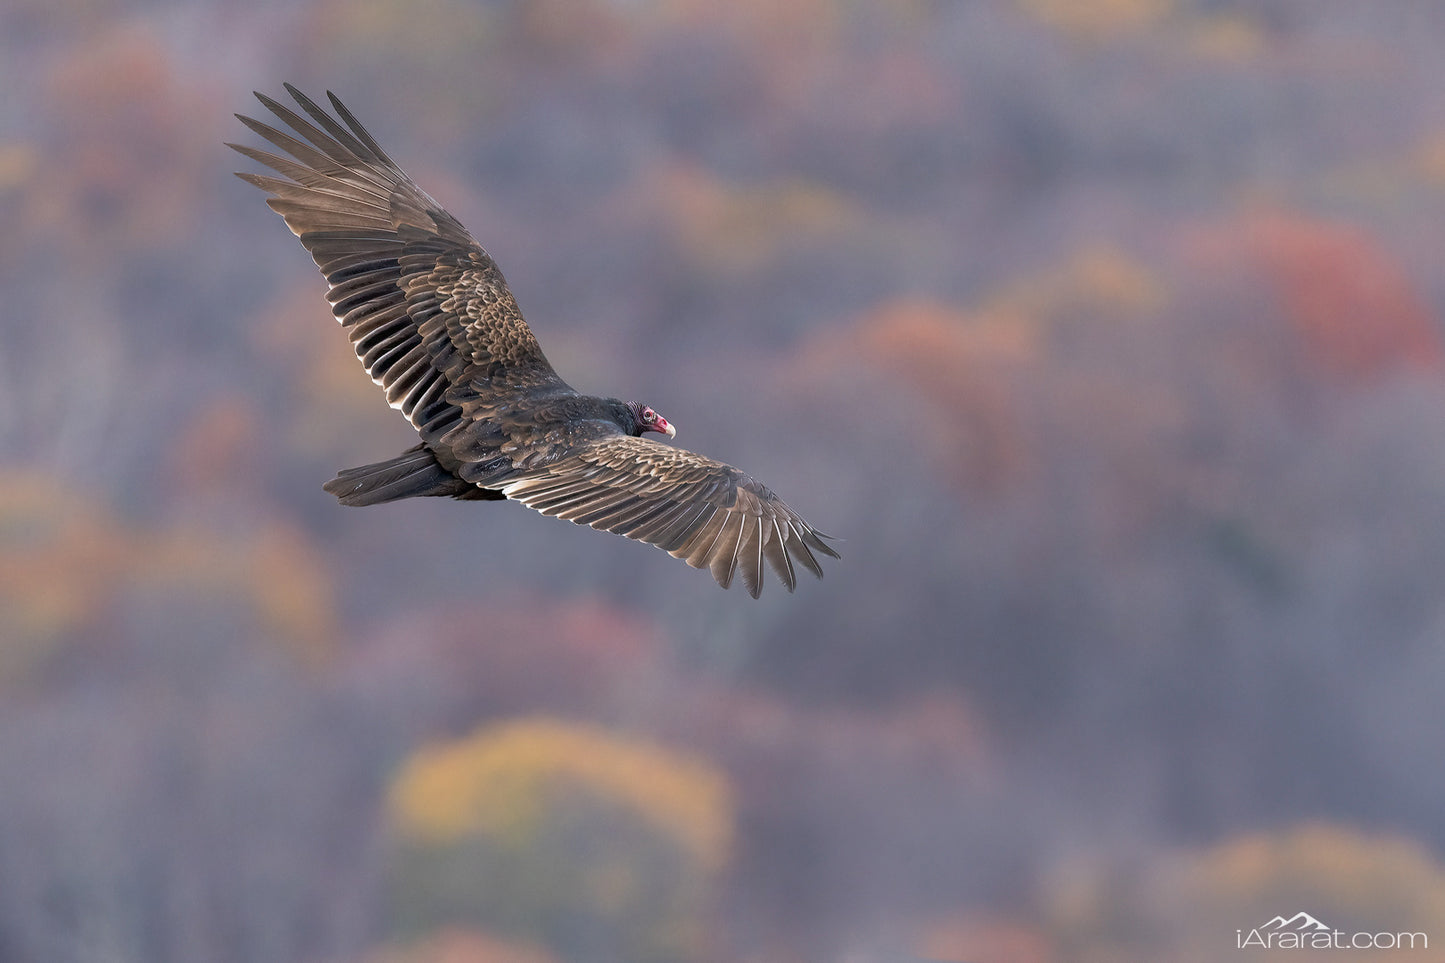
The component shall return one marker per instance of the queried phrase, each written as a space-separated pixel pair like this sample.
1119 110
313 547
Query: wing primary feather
305 193
341 134
318 138
725 553
815 539
306 176
800 548
302 151
776 550
360 131
750 554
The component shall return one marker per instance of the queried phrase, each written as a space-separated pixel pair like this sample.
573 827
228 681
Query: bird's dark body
434 324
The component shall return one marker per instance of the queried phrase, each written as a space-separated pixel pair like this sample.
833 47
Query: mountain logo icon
1300 922
1305 932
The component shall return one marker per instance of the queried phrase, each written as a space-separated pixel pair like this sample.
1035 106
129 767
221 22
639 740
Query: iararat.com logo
1303 932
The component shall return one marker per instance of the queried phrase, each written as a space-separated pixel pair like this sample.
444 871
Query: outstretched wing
696 509
427 309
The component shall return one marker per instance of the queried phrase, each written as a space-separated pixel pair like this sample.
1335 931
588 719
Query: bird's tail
411 474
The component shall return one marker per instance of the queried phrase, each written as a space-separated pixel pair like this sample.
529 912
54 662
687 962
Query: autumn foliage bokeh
1107 337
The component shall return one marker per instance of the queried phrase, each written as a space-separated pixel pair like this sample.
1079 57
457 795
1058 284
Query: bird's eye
649 415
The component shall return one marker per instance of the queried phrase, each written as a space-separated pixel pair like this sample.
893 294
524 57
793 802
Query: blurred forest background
1107 334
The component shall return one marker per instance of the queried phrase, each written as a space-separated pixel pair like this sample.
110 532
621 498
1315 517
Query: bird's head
646 420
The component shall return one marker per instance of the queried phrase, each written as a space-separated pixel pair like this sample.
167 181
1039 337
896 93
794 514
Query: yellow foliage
525 825
499 782
1227 37
273 568
1188 906
1099 278
741 227
439 31
1340 874
1096 19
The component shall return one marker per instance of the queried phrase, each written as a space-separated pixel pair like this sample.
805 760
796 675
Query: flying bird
433 322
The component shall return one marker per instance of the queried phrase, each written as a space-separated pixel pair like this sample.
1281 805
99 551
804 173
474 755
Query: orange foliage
960 368
60 557
64 559
1356 314
1428 160
216 447
1096 19
129 166
454 945
986 938
977 371
272 568
18 163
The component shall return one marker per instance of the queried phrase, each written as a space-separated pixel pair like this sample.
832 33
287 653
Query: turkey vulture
431 319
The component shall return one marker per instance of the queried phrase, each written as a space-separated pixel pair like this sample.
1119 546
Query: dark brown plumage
431 319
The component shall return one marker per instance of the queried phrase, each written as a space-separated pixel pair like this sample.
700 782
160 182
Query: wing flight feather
704 512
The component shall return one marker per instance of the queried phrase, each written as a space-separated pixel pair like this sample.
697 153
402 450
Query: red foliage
217 448
509 654
1355 312
128 159
960 368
